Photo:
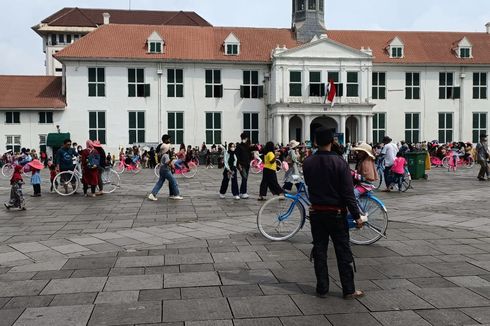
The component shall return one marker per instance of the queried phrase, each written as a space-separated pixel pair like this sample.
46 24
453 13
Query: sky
21 48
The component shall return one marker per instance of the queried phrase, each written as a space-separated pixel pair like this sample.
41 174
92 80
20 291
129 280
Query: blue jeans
173 187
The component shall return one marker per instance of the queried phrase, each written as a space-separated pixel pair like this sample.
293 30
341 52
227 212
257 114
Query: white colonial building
128 82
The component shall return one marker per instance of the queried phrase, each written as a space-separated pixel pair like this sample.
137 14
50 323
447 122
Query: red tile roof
206 44
86 17
419 47
181 43
31 92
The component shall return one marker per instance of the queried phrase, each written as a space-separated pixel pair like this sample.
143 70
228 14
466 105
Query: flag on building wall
331 93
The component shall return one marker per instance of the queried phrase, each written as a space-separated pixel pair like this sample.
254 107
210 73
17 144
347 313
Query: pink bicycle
121 166
256 166
186 172
452 162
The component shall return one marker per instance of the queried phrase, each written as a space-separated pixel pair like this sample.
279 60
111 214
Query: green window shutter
132 120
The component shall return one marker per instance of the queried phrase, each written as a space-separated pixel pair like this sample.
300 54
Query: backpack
93 159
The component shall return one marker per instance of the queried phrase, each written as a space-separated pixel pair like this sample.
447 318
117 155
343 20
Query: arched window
301 5
311 4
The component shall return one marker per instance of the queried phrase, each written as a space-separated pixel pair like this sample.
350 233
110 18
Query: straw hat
36 164
363 147
293 144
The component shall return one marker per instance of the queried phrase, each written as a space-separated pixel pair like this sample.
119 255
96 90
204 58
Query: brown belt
327 208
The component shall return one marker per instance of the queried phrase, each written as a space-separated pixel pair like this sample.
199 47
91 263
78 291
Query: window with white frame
445 128
379 85
480 85
446 86
45 117
412 128
155 46
97 126
214 87
479 125
136 83
312 4
465 52
12 117
96 82
251 126
175 124
317 88
412 86
396 52
175 83
232 45
250 87
232 49
42 143
295 84
13 143
213 128
352 84
379 127
136 127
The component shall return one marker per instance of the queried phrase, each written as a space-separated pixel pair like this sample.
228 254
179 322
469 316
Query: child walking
52 176
269 176
398 169
36 167
16 195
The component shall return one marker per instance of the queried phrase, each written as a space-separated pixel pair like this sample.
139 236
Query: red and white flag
331 93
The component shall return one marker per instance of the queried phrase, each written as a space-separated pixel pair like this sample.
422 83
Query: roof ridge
84 15
401 31
166 21
207 26
66 13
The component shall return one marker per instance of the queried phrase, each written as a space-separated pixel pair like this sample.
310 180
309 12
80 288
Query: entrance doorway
351 130
296 129
323 121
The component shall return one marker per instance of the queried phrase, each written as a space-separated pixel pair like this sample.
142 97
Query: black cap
324 136
387 139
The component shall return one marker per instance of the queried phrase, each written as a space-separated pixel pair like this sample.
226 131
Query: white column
369 138
285 130
277 129
362 135
306 128
342 128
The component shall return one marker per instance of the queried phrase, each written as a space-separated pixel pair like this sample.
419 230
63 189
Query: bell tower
308 19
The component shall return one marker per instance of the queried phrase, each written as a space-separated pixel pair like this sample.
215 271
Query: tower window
301 5
320 5
311 4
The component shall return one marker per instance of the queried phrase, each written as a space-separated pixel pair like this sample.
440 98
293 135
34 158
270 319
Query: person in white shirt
389 154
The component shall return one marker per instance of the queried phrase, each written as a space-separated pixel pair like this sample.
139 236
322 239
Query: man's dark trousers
245 169
323 226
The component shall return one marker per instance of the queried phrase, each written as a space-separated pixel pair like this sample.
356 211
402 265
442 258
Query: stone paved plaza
122 260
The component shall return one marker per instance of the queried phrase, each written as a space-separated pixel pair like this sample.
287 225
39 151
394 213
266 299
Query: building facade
126 83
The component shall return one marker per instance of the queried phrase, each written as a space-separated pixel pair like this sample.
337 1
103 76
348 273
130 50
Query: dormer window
464 49
155 43
396 48
232 45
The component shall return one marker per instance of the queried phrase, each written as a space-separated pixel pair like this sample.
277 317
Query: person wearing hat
482 155
165 173
293 160
365 168
16 195
36 166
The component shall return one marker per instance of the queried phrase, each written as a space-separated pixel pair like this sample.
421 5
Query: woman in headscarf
293 162
90 165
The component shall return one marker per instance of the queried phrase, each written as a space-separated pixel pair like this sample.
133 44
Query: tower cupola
308 19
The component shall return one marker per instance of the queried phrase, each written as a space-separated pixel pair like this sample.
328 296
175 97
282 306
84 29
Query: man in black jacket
244 156
331 193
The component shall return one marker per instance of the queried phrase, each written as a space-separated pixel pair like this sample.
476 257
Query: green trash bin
416 164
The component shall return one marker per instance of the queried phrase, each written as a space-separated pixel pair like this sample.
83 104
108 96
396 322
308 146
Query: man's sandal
356 295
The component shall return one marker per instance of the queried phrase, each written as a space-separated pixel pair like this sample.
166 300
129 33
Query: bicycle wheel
191 172
7 170
376 225
136 168
111 181
469 162
255 167
280 218
119 167
65 183
407 182
156 170
380 176
445 162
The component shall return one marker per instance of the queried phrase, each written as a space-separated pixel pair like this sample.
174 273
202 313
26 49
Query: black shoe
481 179
322 295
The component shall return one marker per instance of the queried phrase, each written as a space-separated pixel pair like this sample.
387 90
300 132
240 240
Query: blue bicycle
280 218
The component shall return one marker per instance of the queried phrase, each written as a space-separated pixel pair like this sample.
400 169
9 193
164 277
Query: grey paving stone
140 261
7 277
258 322
455 269
256 276
282 288
201 292
400 318
29 302
190 258
52 265
90 273
3 301
159 295
469 281
73 299
173 280
353 319
210 323
48 275
393 300
9 316
66 316
263 306
483 291
281 255
334 304
432 282
21 288
445 317
306 321
90 263
196 268
481 314
75 285
117 297
405 271
234 257
134 282
295 275
248 290
127 271
131 313
196 310
391 284
451 298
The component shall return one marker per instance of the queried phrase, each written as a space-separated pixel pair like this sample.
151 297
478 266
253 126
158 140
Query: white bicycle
66 183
